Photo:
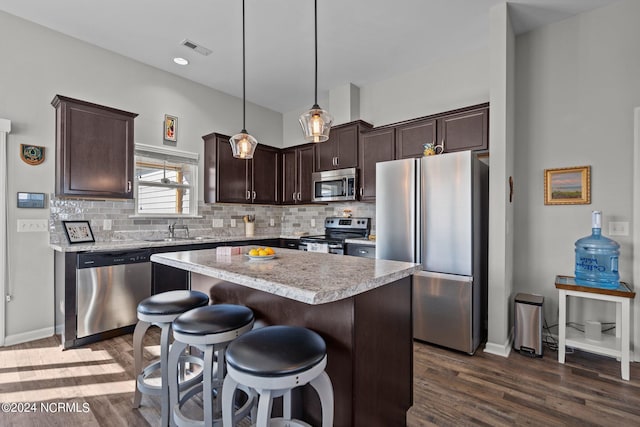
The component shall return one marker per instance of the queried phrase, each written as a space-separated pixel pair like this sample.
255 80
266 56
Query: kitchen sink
171 239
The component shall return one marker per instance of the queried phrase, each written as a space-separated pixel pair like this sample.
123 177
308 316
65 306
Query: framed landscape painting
567 186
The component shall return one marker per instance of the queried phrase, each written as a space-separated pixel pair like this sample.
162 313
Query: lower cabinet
167 278
365 251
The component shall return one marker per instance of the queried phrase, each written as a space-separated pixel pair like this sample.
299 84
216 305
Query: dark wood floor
93 386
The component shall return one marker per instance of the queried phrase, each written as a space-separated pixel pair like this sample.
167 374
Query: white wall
45 63
577 83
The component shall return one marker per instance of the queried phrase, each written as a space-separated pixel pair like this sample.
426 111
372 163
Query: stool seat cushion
213 319
172 302
276 351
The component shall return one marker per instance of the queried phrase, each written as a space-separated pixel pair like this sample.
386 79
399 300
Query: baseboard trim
500 349
28 336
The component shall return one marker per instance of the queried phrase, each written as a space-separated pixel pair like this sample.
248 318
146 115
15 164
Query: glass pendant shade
316 124
243 145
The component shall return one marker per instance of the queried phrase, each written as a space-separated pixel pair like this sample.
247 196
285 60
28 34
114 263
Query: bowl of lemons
261 253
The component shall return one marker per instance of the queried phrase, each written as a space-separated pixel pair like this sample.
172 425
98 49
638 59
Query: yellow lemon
262 252
253 252
269 251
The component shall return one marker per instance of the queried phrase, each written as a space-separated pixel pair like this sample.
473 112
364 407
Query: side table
617 346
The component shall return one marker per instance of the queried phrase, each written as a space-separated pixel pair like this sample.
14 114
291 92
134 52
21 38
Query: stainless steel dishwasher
109 288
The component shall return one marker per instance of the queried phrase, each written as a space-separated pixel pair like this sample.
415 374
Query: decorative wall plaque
32 154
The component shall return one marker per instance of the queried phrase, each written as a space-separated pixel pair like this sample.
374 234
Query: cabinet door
232 175
289 176
326 153
264 179
465 131
375 146
347 147
94 150
411 137
306 157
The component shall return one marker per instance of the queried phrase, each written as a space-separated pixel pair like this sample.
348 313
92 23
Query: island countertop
311 278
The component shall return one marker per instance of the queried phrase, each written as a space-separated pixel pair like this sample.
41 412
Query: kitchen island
360 306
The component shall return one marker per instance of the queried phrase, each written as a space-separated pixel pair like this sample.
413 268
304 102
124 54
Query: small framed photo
567 186
78 231
170 128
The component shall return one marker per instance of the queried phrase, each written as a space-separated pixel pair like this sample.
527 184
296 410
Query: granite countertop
312 278
141 244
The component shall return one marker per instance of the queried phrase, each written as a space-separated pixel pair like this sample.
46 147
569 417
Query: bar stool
272 361
161 310
210 329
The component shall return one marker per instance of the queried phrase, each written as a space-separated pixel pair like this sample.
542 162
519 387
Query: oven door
318 247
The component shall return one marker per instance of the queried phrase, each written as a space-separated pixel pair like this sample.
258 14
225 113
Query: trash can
528 318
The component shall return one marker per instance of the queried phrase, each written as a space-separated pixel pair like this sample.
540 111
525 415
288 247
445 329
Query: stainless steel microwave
334 186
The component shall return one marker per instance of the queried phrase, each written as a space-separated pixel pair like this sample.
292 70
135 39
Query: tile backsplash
287 220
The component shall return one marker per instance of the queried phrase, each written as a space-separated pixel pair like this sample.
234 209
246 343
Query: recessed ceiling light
180 61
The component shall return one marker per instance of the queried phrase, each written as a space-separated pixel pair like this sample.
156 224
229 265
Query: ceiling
359 41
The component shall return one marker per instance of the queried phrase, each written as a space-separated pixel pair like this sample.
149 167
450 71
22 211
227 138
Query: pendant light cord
315 14
244 102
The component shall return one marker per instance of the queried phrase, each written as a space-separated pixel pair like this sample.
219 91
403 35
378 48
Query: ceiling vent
196 47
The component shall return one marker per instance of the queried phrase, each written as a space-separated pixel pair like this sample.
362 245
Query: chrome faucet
172 229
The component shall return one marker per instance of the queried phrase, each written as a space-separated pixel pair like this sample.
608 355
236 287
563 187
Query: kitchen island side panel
369 361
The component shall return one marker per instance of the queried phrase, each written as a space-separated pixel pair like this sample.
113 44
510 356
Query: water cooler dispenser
528 319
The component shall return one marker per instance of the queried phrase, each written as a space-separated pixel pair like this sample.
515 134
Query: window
166 182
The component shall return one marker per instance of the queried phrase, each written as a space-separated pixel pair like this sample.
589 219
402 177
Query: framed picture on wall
170 128
78 231
567 186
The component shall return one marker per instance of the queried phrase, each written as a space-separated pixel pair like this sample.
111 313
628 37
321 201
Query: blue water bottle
597 258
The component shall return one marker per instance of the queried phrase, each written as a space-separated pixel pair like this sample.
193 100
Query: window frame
172 155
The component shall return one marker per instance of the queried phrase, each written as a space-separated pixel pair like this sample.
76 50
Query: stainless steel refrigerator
434 211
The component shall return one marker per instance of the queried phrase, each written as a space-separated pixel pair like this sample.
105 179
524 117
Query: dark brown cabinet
94 150
231 180
468 130
297 167
375 146
411 137
464 129
341 150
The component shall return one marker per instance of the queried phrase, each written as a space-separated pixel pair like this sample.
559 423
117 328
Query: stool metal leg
322 385
174 366
138 351
286 405
164 371
264 408
229 388
207 386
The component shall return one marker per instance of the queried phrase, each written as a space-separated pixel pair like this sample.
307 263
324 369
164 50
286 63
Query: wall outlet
620 228
106 224
233 222
32 225
313 222
272 222
217 223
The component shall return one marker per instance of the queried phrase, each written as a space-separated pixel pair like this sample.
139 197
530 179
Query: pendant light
243 144
316 122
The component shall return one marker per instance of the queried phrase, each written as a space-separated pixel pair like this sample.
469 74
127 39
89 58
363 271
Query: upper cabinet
341 150
411 137
377 145
464 129
468 130
94 150
297 168
231 180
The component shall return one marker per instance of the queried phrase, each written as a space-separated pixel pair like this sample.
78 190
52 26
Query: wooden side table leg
623 325
562 324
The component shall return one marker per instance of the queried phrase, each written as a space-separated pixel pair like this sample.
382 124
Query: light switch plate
618 228
233 222
32 225
218 222
272 222
106 224
313 222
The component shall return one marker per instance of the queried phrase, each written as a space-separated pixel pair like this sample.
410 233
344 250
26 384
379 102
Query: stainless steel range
336 231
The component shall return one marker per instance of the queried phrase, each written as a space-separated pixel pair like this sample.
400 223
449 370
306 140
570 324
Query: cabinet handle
294 196
337 161
299 196
361 191
129 186
362 251
254 196
248 195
